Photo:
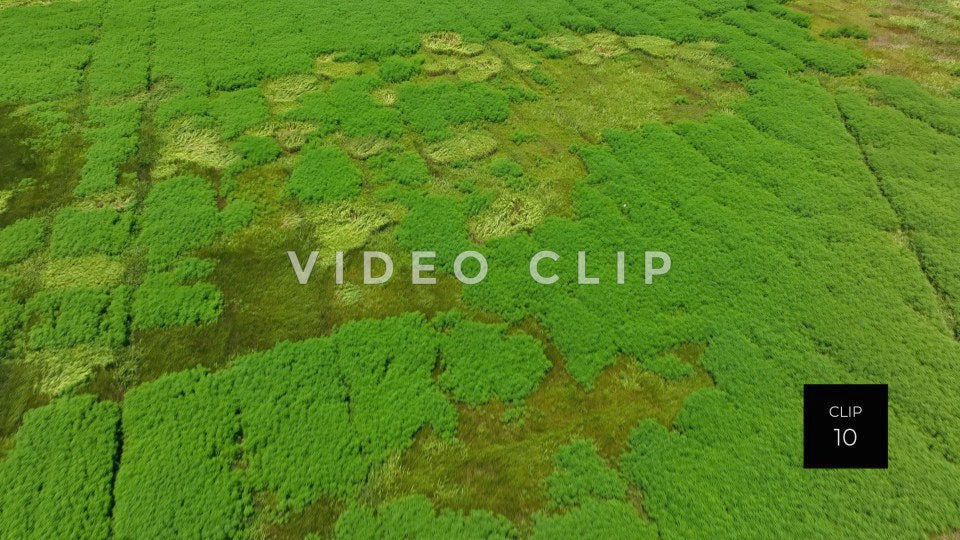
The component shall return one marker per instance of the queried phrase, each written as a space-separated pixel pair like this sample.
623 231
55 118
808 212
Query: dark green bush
113 136
237 215
348 107
415 517
405 168
914 101
191 268
178 470
238 110
541 77
65 318
580 474
434 108
846 31
434 224
178 214
162 301
56 481
82 232
45 48
505 168
20 239
481 362
596 519
257 150
831 58
324 174
397 69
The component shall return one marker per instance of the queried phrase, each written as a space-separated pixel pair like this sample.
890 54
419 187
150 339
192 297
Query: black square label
845 426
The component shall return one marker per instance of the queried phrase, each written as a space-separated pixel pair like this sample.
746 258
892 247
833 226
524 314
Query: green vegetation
480 363
396 69
257 150
162 301
349 108
912 100
83 232
19 240
324 174
113 140
416 517
236 111
855 32
153 175
177 471
64 318
46 50
434 109
56 480
178 214
581 475
406 168
434 224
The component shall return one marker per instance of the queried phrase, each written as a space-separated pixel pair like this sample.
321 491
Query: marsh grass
85 271
184 144
505 463
64 369
463 147
450 43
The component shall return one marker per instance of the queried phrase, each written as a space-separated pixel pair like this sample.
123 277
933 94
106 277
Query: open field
163 374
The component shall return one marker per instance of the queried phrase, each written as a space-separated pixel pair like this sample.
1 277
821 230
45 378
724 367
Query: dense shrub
237 215
46 47
10 320
238 110
914 101
20 239
191 268
846 31
824 56
257 150
481 363
580 474
757 58
396 69
415 517
82 232
56 481
434 108
120 63
162 301
915 166
324 174
434 224
347 106
348 402
178 472
113 137
594 519
505 168
178 214
405 168
64 318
